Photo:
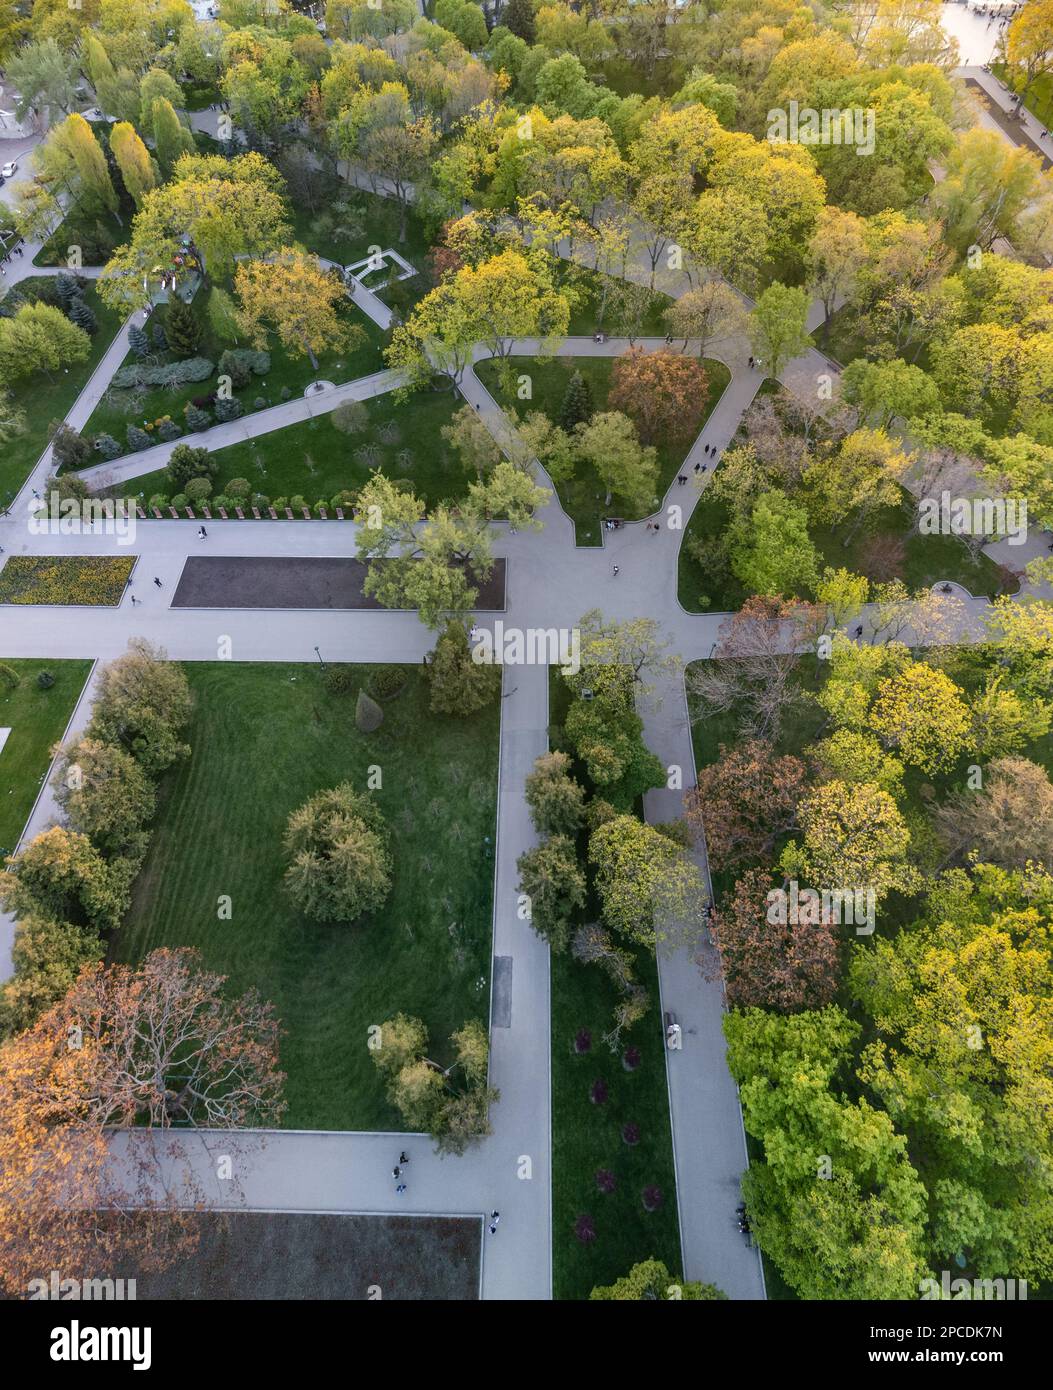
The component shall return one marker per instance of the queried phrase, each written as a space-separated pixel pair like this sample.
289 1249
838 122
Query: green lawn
264 739
585 316
317 460
583 495
89 580
96 237
587 1137
926 559
45 398
37 720
120 408
353 221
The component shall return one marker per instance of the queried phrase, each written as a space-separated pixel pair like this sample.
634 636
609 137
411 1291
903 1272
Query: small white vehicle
9 169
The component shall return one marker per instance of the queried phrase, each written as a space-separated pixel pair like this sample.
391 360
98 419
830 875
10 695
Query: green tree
836 1204
459 685
778 326
143 704
339 856
106 795
553 881
61 874
648 887
627 468
556 800
650 1280
774 554
39 337
576 406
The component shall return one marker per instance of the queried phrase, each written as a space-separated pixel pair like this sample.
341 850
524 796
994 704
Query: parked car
9 169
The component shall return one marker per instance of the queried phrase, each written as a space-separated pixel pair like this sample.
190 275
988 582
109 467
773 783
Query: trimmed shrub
339 855
45 680
221 500
158 501
196 418
298 502
159 338
259 403
285 394
170 374
231 409
280 503
340 679
198 489
238 487
180 501
107 446
138 341
386 682
168 430
368 714
260 501
9 677
137 439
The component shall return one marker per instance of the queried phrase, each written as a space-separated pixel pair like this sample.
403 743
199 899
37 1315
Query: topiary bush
180 501
197 418
221 500
137 439
9 677
197 489
168 431
368 714
386 682
340 679
238 487
158 501
45 680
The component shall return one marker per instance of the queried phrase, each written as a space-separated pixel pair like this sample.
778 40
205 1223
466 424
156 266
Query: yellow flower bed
66 579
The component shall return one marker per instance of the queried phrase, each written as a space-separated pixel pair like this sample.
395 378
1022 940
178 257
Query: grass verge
37 719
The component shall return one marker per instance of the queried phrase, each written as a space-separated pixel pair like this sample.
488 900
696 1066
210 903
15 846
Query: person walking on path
401 1188
157 581
403 1157
201 533
495 1217
396 1172
614 571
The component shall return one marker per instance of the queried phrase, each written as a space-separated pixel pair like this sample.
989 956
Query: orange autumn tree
664 393
150 1047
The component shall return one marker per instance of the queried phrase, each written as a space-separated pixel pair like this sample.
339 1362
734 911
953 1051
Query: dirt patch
292 1255
238 581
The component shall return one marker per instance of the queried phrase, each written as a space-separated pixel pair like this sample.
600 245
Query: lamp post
319 656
